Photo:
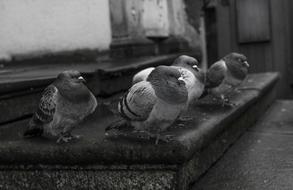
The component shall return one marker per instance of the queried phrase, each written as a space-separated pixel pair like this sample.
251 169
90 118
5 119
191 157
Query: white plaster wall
31 26
155 18
177 17
180 25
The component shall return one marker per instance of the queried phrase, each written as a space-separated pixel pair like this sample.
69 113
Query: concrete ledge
131 163
18 78
115 79
141 47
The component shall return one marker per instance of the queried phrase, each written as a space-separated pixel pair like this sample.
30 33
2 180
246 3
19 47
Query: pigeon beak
195 67
246 63
81 79
181 79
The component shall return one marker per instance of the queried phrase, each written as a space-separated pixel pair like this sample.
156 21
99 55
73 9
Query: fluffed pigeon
225 75
192 76
152 105
64 104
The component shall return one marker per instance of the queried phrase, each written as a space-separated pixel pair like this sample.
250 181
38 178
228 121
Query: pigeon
192 75
226 75
64 104
152 105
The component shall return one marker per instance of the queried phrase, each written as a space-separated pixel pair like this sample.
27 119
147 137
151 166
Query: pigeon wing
216 74
142 75
44 113
47 105
138 102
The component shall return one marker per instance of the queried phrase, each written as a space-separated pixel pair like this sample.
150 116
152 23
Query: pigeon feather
142 75
216 74
44 113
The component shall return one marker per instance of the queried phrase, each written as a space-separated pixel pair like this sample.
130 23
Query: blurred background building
42 31
118 27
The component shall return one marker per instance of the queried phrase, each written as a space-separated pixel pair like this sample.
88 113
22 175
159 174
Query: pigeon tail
33 132
118 125
204 94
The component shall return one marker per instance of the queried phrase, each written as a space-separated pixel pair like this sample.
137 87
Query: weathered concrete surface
218 139
87 178
17 78
260 159
197 145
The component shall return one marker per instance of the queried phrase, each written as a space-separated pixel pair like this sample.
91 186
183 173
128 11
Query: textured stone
128 160
18 105
260 159
58 177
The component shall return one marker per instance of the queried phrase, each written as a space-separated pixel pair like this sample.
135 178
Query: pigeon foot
65 138
164 138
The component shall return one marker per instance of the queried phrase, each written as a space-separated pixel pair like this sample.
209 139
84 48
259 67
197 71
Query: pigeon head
237 59
163 74
72 77
237 64
71 85
186 62
168 84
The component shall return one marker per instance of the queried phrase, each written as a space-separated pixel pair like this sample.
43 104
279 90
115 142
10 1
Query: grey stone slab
19 180
196 146
18 78
278 119
209 121
260 159
89 177
18 105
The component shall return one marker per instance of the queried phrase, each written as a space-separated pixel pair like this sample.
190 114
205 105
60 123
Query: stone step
126 162
260 159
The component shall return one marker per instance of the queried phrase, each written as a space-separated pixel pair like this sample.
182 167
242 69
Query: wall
183 19
42 26
30 28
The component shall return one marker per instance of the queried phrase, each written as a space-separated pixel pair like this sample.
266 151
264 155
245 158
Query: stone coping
26 78
95 148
